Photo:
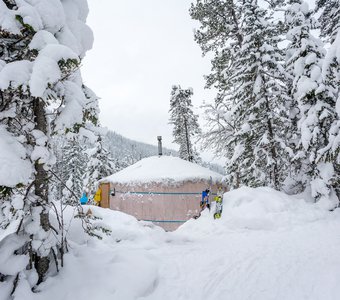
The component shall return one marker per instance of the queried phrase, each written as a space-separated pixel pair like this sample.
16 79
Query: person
205 200
98 197
84 199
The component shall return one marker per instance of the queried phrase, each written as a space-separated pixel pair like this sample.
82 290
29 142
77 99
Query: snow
42 14
15 74
163 169
46 70
77 35
89 134
61 34
259 209
9 263
77 9
14 168
101 269
41 39
40 154
305 86
267 245
75 101
7 21
333 56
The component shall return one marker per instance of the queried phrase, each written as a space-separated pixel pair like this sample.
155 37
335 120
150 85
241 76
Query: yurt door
105 202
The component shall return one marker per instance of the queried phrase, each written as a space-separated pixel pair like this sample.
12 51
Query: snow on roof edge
163 169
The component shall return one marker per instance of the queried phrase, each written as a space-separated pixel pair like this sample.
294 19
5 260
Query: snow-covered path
266 246
303 263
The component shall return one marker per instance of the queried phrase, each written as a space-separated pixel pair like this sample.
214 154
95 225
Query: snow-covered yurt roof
163 169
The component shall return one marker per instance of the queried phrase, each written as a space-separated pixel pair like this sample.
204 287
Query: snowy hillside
123 148
267 245
129 151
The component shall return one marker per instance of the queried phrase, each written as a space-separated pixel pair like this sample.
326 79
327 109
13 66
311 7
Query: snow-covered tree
42 44
99 165
185 123
247 118
258 110
315 110
100 162
57 144
299 23
219 33
331 79
329 18
330 24
74 167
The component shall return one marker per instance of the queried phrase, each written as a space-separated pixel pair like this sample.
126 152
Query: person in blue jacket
205 200
84 199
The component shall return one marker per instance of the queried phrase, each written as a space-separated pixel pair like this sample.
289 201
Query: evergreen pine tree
258 110
220 34
100 165
185 122
57 145
315 115
248 117
329 18
41 95
299 23
74 168
331 79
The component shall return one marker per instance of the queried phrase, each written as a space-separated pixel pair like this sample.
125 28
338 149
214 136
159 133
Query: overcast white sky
142 48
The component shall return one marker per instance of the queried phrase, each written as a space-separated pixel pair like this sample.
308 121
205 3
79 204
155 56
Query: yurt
164 190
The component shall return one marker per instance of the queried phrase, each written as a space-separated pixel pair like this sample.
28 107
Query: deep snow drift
267 245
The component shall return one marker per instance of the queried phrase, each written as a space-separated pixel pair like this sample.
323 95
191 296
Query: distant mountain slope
128 151
121 148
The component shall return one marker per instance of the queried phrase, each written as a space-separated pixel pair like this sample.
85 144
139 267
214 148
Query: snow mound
115 266
123 228
256 209
162 169
232 259
119 266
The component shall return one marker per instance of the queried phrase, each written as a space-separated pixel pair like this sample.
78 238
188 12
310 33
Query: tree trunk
236 23
274 173
41 263
190 158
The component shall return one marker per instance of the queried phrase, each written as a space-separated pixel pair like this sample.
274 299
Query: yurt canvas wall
166 206
164 190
